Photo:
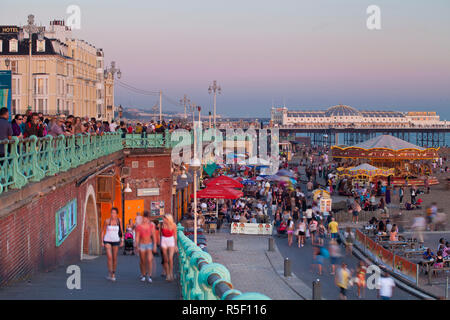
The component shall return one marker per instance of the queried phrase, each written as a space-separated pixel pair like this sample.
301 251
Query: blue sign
5 90
66 221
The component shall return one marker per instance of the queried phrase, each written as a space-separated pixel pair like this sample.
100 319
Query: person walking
333 229
112 238
312 230
386 285
356 208
342 280
321 230
168 244
146 244
301 232
290 231
361 271
335 254
401 193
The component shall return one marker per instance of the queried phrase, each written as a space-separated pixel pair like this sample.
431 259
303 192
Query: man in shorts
333 228
342 280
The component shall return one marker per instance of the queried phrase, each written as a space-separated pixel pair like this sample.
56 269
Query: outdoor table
427 264
394 244
382 237
414 252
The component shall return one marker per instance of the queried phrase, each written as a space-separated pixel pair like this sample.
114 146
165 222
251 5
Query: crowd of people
34 123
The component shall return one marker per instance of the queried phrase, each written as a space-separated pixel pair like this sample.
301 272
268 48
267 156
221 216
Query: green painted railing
32 159
202 279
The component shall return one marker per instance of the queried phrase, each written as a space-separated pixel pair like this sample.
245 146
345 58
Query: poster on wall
66 221
157 208
5 90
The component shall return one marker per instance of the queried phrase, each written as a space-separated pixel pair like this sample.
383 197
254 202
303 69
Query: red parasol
224 181
216 192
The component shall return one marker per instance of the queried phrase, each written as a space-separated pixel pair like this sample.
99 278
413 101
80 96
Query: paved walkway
52 285
253 269
302 259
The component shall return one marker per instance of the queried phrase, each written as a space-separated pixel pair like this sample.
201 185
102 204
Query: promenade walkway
253 268
94 286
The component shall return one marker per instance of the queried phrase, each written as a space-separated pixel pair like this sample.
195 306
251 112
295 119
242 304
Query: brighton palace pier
343 124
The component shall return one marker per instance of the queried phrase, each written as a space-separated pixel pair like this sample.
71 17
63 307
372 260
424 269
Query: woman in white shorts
168 244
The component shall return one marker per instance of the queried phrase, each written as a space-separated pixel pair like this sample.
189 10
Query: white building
345 115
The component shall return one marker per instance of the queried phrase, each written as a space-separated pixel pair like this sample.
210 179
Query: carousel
387 156
360 175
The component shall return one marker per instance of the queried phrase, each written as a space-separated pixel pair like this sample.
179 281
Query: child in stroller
129 239
282 229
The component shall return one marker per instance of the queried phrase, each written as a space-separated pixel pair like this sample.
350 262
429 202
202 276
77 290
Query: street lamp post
195 165
185 101
31 28
214 88
124 190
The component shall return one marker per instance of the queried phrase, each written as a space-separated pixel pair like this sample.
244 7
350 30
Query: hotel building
67 75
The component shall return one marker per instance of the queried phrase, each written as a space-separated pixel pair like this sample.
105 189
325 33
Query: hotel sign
9 29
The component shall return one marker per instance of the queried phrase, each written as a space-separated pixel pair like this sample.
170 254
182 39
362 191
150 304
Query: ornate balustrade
32 159
202 279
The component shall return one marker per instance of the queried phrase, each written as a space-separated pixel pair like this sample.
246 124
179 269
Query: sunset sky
310 54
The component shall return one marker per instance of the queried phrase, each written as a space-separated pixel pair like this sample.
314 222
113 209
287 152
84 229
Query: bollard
287 267
316 290
271 244
229 245
446 289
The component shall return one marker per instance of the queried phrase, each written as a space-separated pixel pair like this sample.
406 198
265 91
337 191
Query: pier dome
341 110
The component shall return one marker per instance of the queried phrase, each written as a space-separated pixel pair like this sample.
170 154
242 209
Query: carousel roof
387 142
364 166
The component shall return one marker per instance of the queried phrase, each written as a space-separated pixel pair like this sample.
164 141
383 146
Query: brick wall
157 175
28 234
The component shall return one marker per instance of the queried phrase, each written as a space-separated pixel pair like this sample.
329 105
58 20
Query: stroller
129 242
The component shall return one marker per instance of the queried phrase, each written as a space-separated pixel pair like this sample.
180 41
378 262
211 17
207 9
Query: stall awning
215 192
224 181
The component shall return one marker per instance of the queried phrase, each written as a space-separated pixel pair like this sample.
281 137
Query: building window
41 66
39 86
134 164
40 45
13 45
14 66
41 105
13 106
151 164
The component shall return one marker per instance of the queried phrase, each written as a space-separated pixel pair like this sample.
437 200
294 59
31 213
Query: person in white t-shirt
386 285
113 126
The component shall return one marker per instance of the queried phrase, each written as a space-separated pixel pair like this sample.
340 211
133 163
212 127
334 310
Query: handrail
202 279
32 159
